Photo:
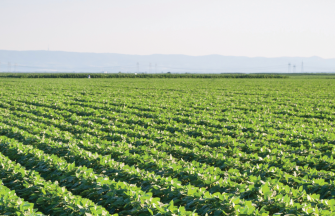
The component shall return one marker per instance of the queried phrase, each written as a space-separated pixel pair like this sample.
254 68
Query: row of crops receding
138 75
167 147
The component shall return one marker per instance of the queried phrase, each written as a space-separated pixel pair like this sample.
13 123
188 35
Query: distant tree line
139 75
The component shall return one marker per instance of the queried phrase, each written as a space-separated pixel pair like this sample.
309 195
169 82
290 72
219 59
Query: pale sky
267 28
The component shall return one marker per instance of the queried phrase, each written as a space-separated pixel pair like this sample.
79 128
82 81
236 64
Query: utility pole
293 68
15 67
9 67
302 67
289 67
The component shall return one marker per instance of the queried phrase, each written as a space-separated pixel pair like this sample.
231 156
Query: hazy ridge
60 61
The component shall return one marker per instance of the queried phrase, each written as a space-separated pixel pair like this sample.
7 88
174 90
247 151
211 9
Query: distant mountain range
59 61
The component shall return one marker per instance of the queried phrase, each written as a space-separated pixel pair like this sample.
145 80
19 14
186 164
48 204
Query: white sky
268 28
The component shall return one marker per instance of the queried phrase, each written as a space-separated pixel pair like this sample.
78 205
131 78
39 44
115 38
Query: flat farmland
167 146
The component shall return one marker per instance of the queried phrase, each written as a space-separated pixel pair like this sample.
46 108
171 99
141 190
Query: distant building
89 77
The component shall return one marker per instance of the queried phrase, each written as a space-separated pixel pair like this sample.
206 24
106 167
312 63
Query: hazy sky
269 28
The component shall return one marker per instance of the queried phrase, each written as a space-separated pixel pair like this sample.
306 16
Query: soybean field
167 146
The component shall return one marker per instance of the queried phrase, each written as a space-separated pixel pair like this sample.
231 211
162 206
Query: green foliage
167 147
11 204
139 75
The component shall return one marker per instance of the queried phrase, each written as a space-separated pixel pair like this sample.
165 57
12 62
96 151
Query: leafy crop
167 147
11 204
140 75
